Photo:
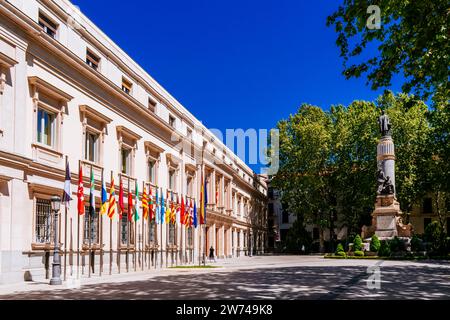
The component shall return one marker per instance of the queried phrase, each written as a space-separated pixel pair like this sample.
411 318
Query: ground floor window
44 221
190 237
171 234
91 226
124 230
152 233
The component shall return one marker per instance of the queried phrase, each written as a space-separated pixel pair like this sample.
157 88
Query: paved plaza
260 277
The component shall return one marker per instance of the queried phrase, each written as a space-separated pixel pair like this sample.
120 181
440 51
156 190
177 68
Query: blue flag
162 209
195 215
157 215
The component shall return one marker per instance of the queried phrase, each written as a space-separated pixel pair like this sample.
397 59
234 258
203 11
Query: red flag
121 205
80 193
150 204
130 205
182 209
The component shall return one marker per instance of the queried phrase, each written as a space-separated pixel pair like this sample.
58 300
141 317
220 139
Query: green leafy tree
413 38
304 161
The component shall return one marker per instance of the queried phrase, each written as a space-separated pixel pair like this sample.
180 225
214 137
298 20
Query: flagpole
144 250
129 229
101 225
119 224
110 235
71 249
135 236
78 229
89 226
161 235
65 234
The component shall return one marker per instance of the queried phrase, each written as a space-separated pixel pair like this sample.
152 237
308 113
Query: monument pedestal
386 220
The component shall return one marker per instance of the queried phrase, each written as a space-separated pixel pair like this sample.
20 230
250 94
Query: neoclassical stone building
68 93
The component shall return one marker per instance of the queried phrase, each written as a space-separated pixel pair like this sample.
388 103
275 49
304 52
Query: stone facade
68 92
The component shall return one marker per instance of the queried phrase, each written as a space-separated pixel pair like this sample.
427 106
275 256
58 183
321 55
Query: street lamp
56 266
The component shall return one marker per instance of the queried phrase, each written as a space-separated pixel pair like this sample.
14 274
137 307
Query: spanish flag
112 200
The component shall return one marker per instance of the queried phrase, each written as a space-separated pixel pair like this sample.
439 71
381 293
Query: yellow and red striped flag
112 200
144 203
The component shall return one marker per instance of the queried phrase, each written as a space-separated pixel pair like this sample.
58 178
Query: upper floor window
91 147
172 175
189 133
47 25
92 59
46 127
126 86
152 171
125 160
151 104
128 141
427 206
172 121
189 185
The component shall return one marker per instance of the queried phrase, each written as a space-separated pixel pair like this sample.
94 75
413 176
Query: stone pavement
259 277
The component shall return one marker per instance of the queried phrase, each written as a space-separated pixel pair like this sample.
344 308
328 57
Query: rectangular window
152 171
125 160
126 86
92 59
190 237
172 184
172 121
171 234
152 232
47 25
189 186
46 127
91 222
151 104
189 133
91 147
44 221
124 229
427 206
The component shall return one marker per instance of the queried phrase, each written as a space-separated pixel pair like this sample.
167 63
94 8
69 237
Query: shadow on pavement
307 282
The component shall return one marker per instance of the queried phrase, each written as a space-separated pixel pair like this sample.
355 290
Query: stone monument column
386 158
386 218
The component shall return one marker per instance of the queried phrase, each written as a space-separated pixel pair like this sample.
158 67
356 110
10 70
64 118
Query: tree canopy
328 158
413 39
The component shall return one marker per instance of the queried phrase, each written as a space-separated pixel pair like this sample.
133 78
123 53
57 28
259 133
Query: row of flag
154 208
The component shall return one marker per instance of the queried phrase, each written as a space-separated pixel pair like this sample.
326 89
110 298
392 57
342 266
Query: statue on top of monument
385 124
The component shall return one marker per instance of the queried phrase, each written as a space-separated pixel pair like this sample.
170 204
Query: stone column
222 241
386 158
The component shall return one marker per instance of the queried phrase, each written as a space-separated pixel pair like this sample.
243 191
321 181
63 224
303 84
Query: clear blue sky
234 64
